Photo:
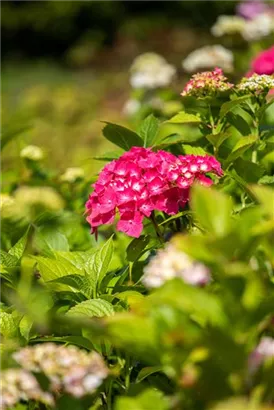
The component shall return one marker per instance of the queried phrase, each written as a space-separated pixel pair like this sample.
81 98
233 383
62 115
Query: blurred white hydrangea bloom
259 27
170 263
44 196
32 152
227 25
209 57
150 70
72 174
68 368
19 384
131 107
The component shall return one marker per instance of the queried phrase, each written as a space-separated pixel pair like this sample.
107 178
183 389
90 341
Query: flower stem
157 229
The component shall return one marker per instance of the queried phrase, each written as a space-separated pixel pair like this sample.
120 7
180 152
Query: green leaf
76 283
136 247
240 147
184 118
190 150
51 269
78 259
265 196
121 136
92 308
109 156
213 209
229 105
7 260
49 240
266 180
74 340
150 399
99 262
247 170
217 139
18 249
147 371
148 130
8 325
25 326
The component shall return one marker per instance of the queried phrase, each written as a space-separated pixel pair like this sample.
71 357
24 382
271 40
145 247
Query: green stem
156 227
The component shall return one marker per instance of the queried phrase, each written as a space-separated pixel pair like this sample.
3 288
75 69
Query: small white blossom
150 71
170 263
256 84
131 107
228 25
72 174
209 57
32 152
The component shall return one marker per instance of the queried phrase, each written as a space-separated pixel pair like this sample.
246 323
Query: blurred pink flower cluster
207 83
142 181
263 63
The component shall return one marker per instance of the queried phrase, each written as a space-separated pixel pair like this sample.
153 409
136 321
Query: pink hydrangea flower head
207 83
141 181
256 84
263 63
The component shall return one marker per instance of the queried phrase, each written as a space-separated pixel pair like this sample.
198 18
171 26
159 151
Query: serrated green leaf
241 146
136 247
7 260
190 150
51 269
148 130
98 264
121 136
18 249
212 208
229 105
8 325
92 308
78 259
76 283
150 399
266 180
184 118
217 139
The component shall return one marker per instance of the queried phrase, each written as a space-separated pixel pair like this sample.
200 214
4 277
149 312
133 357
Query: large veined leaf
217 139
212 209
8 325
76 283
149 399
49 240
92 308
121 136
99 262
78 259
184 118
148 130
55 268
7 260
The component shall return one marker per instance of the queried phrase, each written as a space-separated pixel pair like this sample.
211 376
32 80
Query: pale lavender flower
263 351
170 263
